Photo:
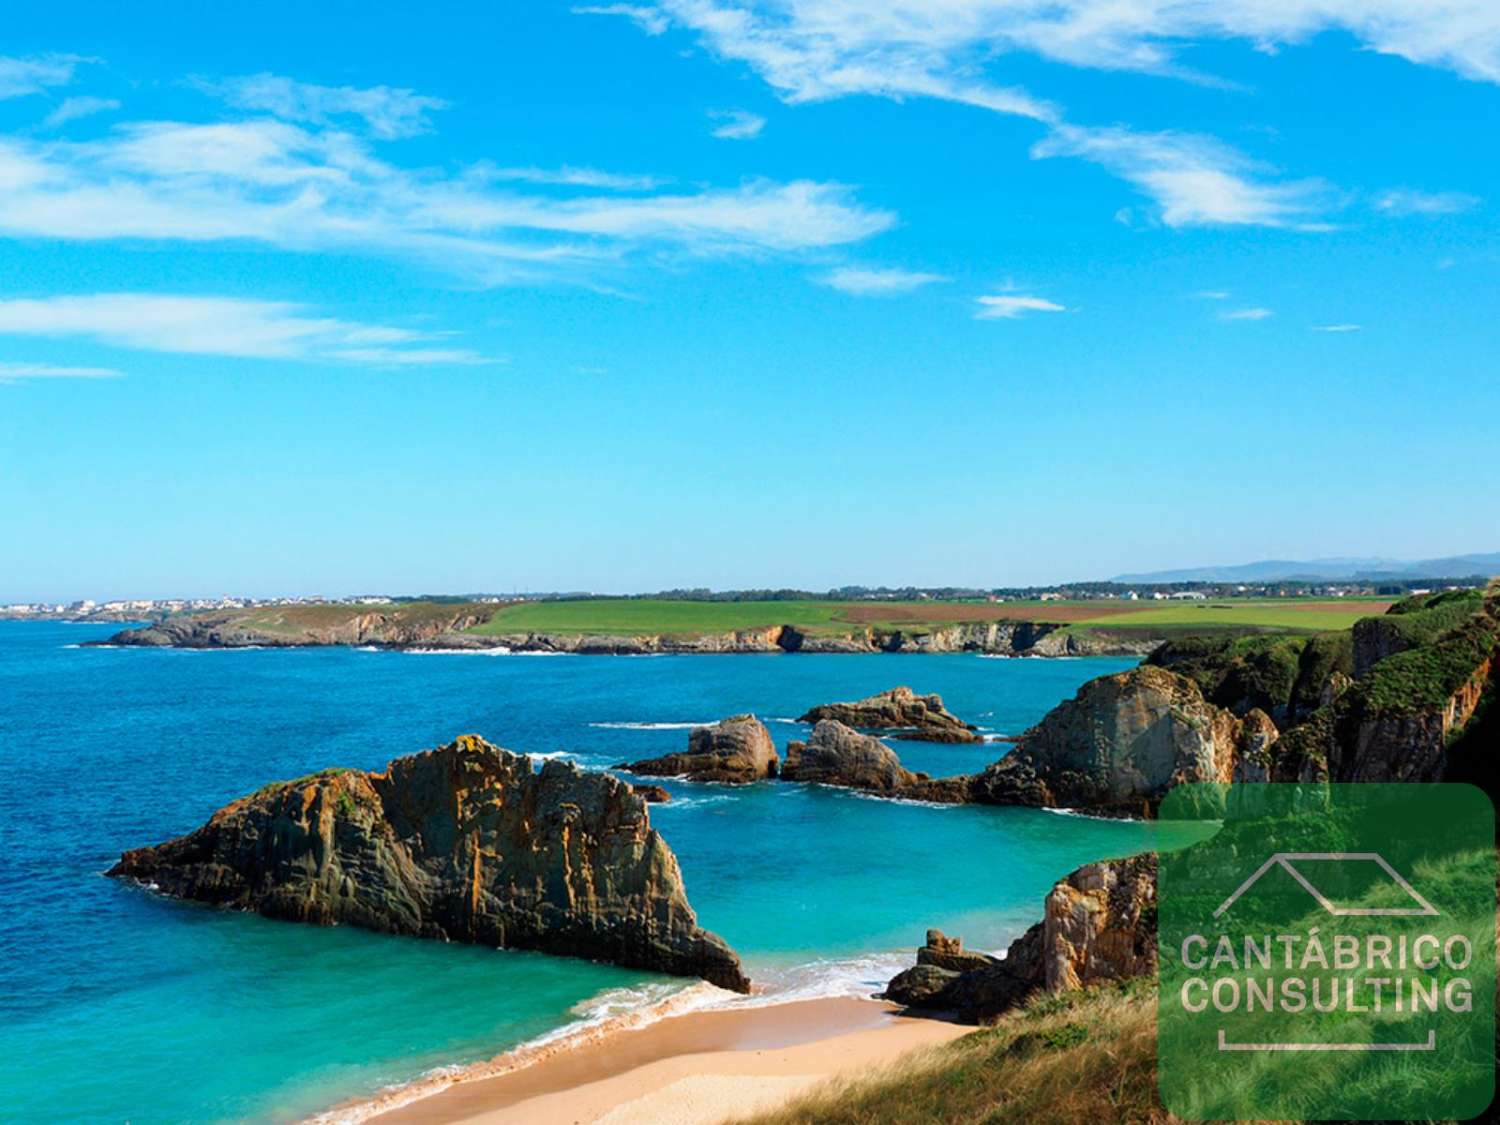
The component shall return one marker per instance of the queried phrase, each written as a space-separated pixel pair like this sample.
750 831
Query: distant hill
1281 570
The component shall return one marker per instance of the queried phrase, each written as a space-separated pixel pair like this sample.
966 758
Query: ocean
119 1005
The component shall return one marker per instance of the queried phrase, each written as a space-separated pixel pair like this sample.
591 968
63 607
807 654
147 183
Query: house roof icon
1287 862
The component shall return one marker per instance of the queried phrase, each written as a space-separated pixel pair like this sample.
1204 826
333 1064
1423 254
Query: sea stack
736 751
913 717
463 843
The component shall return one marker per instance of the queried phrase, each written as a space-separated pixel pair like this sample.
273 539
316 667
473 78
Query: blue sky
341 298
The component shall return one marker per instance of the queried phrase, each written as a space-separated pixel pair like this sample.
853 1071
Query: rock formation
737 750
916 717
836 755
1099 924
463 843
1118 745
653 794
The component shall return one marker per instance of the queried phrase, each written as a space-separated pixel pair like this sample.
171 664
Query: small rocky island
837 755
468 843
737 751
909 716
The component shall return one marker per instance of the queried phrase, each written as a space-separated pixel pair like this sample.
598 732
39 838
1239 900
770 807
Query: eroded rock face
463 843
1099 925
836 755
1118 745
917 717
737 750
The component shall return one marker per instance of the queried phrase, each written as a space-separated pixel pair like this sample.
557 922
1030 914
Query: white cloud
1337 327
568 176
809 43
71 109
1008 307
15 372
222 326
310 189
1409 201
738 124
1194 179
19 77
1247 314
863 282
387 112
809 50
1212 294
648 19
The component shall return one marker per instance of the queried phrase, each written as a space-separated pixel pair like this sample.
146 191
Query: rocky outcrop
1098 925
737 750
836 755
653 794
464 843
920 718
1116 746
408 625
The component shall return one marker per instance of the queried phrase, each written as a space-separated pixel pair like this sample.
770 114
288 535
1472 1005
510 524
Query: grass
1310 615
636 616
1084 1056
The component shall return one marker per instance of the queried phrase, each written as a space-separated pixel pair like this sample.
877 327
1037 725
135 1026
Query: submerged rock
463 843
920 718
737 750
836 755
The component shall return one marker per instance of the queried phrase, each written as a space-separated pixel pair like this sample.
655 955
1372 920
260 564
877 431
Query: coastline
663 1065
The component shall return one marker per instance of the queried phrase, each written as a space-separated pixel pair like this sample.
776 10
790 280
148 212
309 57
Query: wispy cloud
814 42
568 176
1212 294
820 49
738 124
387 112
1195 180
1009 307
1247 314
1410 201
309 188
71 109
223 326
865 282
19 77
16 372
651 20
1337 327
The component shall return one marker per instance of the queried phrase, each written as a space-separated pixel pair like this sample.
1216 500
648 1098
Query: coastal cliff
463 843
1409 701
458 626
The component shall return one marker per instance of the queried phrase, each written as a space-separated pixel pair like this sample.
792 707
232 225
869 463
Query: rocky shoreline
447 632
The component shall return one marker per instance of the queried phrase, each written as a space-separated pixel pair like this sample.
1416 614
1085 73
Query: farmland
638 616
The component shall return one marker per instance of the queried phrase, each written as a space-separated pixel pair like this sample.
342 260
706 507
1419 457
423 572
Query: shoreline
662 1065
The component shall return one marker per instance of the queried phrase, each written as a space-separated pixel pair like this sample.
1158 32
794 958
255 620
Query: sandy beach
691 1069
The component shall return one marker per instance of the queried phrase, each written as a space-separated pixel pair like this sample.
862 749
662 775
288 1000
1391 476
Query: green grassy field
1268 613
683 618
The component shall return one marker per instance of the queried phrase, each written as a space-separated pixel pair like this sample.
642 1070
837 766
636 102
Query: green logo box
1328 952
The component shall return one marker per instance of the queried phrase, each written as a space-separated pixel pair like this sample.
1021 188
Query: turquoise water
117 1005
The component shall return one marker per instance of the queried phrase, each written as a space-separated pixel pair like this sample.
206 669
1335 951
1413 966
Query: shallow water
115 1004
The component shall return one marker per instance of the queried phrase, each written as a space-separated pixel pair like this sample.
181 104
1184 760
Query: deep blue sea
117 1005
